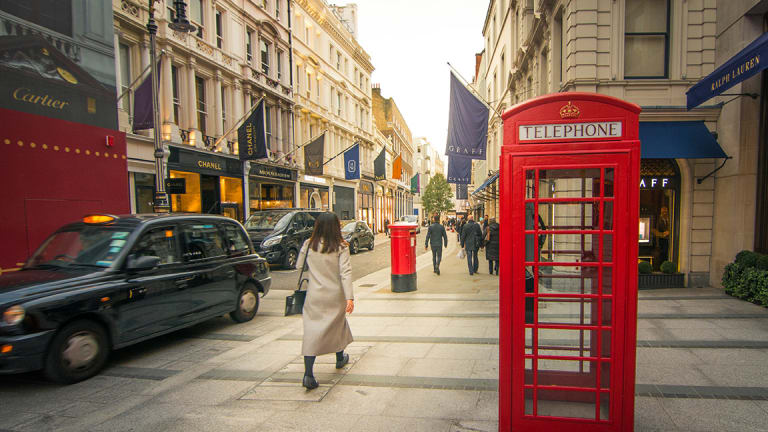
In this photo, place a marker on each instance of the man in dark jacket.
(492, 245)
(471, 241)
(436, 237)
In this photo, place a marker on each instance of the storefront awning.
(480, 191)
(740, 67)
(685, 140)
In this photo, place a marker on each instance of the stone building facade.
(209, 79)
(649, 53)
(332, 93)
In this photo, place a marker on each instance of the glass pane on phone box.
(570, 183)
(571, 248)
(570, 215)
(581, 311)
(567, 279)
(567, 342)
(570, 404)
(529, 184)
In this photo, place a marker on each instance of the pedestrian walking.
(436, 237)
(492, 246)
(484, 220)
(329, 295)
(386, 226)
(471, 241)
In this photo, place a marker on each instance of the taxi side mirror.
(147, 262)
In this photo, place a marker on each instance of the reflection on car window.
(159, 242)
(84, 246)
(268, 220)
(349, 227)
(235, 241)
(202, 241)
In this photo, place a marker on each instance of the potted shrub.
(667, 278)
(747, 277)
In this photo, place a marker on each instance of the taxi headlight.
(14, 315)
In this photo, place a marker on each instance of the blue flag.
(459, 170)
(352, 162)
(467, 123)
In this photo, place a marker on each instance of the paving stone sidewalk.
(421, 361)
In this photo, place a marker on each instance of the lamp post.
(181, 24)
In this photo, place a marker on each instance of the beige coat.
(330, 286)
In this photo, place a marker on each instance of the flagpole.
(133, 83)
(238, 123)
(342, 152)
(468, 87)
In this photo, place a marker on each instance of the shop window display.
(232, 197)
(659, 191)
(191, 201)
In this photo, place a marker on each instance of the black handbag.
(294, 303)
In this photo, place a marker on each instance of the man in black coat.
(436, 237)
(491, 238)
(471, 241)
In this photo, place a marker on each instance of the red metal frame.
(535, 391)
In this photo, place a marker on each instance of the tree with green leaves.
(437, 196)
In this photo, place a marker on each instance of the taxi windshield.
(87, 246)
(268, 220)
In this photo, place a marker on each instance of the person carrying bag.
(294, 303)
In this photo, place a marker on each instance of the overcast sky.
(410, 43)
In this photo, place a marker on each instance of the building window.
(338, 103)
(144, 187)
(201, 112)
(277, 10)
(298, 78)
(196, 15)
(175, 90)
(317, 89)
(338, 61)
(646, 39)
(330, 52)
(125, 75)
(309, 85)
(279, 65)
(268, 125)
(223, 108)
(264, 57)
(248, 44)
(219, 30)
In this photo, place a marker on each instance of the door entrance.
(210, 194)
(566, 339)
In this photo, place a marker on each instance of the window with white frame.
(338, 61)
(338, 103)
(277, 9)
(175, 94)
(219, 29)
(196, 15)
(330, 53)
(268, 126)
(124, 56)
(201, 108)
(223, 108)
(264, 47)
(317, 89)
(298, 78)
(309, 84)
(646, 39)
(279, 65)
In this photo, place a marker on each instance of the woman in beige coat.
(329, 295)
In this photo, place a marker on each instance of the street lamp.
(180, 24)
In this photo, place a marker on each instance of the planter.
(661, 280)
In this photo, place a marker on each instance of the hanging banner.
(459, 170)
(415, 186)
(380, 166)
(252, 135)
(143, 114)
(462, 192)
(313, 156)
(467, 123)
(397, 168)
(352, 163)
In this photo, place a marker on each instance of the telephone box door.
(569, 298)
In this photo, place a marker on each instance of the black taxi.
(110, 281)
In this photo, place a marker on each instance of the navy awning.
(680, 139)
(740, 67)
(486, 183)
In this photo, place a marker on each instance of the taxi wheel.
(247, 304)
(77, 352)
(290, 259)
(353, 248)
(372, 244)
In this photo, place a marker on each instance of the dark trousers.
(472, 260)
(437, 256)
(491, 264)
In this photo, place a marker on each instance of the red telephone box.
(570, 167)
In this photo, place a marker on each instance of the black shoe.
(438, 272)
(340, 363)
(310, 382)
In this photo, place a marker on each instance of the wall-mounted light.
(193, 138)
(166, 134)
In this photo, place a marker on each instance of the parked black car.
(278, 234)
(357, 234)
(111, 281)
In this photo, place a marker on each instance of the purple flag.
(459, 170)
(467, 123)
(143, 115)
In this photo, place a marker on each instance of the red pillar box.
(403, 247)
(570, 167)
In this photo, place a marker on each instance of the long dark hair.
(328, 232)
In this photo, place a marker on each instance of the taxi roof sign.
(99, 219)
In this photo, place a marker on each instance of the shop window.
(232, 197)
(144, 187)
(276, 196)
(191, 201)
(659, 191)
